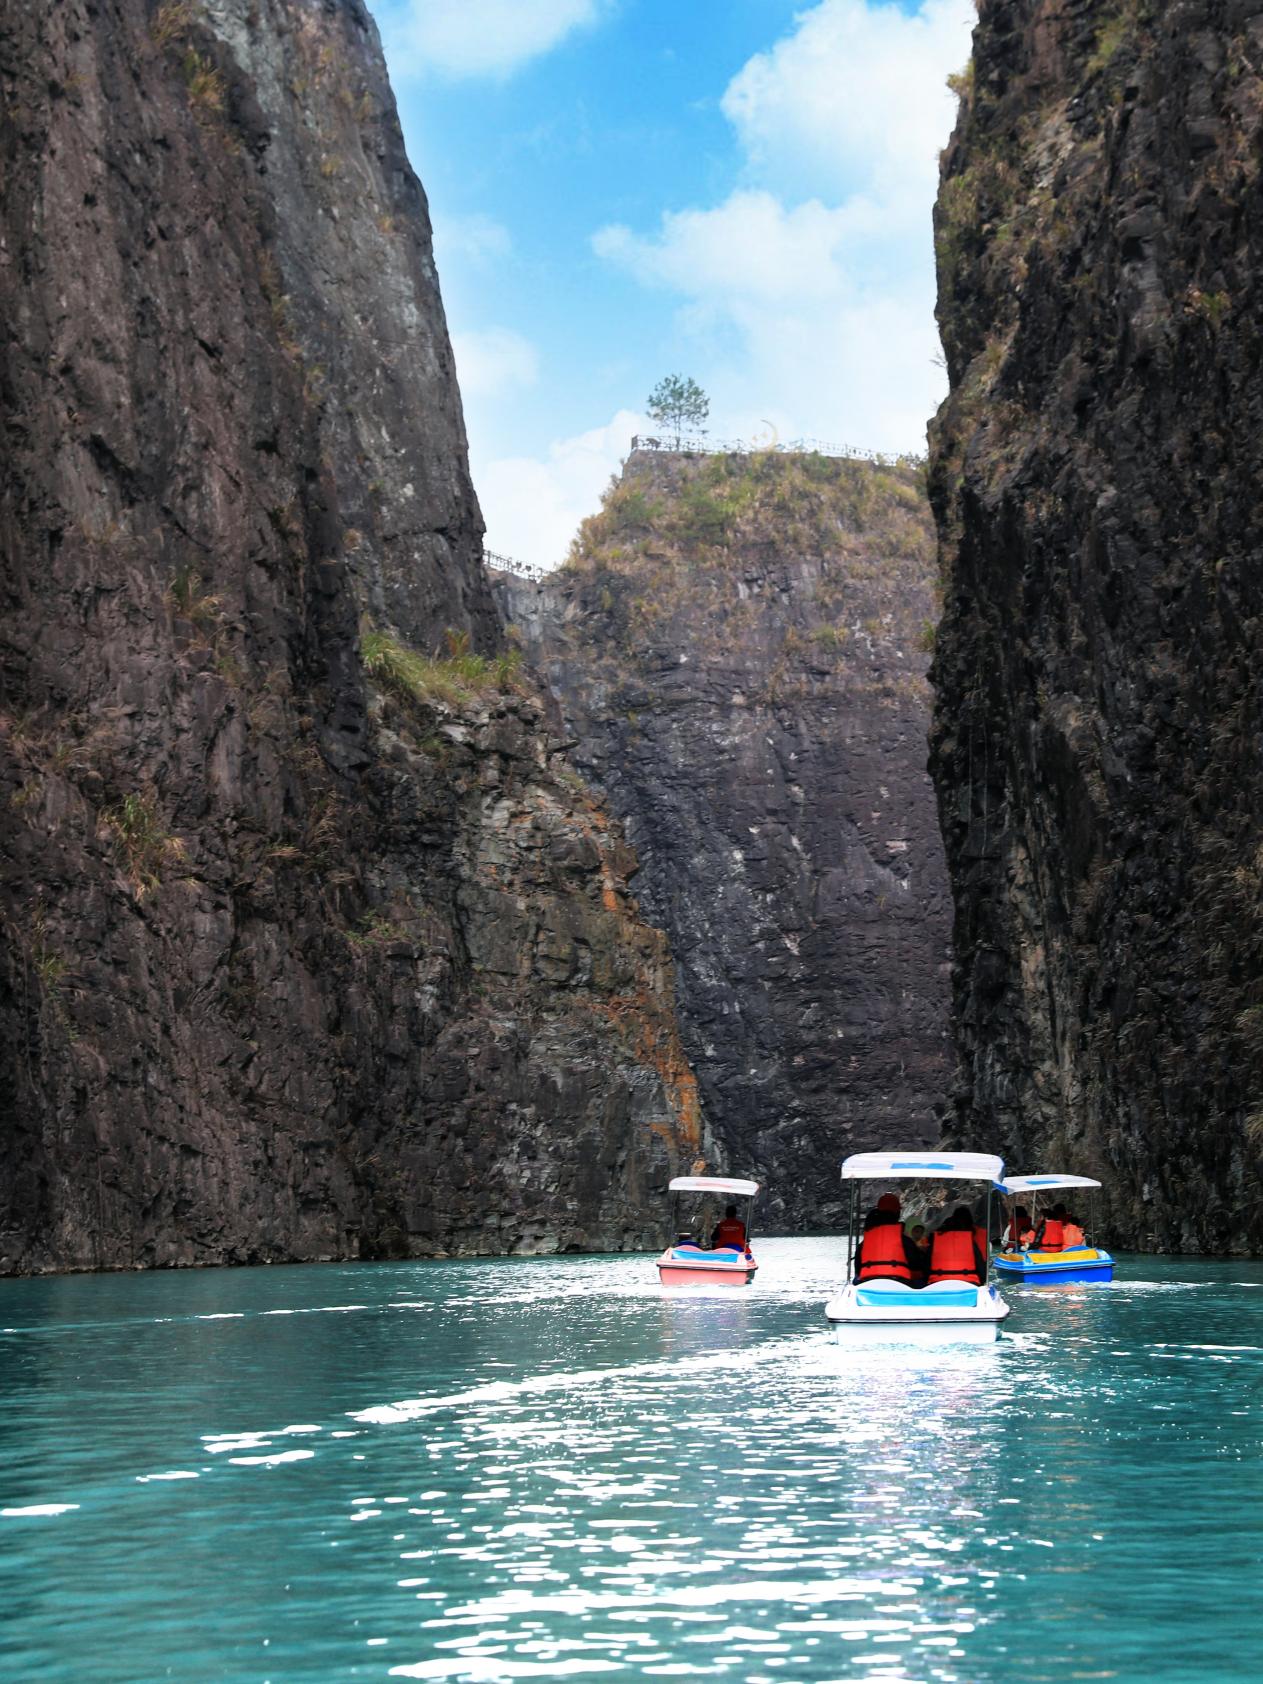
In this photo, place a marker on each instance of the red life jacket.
(1054, 1236)
(882, 1255)
(1073, 1237)
(952, 1257)
(731, 1231)
(980, 1240)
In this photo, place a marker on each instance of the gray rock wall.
(311, 943)
(738, 647)
(1096, 476)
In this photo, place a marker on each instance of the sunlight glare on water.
(554, 1469)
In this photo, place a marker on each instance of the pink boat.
(694, 1258)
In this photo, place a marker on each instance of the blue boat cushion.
(694, 1253)
(962, 1297)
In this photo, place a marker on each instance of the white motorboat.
(947, 1310)
(692, 1259)
(1050, 1264)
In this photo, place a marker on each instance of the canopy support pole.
(986, 1254)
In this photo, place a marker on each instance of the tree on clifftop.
(678, 404)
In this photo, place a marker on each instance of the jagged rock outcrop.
(313, 945)
(738, 647)
(1098, 480)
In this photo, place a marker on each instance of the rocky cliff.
(738, 644)
(1096, 476)
(313, 945)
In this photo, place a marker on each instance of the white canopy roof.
(922, 1164)
(1037, 1183)
(714, 1184)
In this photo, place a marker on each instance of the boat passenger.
(885, 1210)
(954, 1253)
(1020, 1230)
(1052, 1231)
(731, 1231)
(1072, 1235)
(886, 1253)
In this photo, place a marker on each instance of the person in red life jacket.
(1072, 1235)
(886, 1253)
(730, 1231)
(954, 1253)
(1019, 1231)
(1052, 1231)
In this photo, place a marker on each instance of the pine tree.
(678, 404)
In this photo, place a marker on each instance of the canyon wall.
(1097, 476)
(739, 648)
(313, 944)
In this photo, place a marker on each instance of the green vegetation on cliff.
(676, 527)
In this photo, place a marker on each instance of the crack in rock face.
(1095, 475)
(739, 646)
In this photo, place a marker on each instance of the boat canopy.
(1037, 1183)
(714, 1184)
(923, 1165)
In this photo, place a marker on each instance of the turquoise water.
(552, 1469)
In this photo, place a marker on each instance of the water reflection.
(552, 1468)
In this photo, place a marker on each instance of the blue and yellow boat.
(1086, 1263)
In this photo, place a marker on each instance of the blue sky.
(739, 190)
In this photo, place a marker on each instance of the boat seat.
(691, 1254)
(956, 1295)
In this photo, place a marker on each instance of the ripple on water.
(573, 1473)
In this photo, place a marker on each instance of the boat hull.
(706, 1269)
(1050, 1268)
(947, 1313)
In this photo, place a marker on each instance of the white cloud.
(494, 360)
(533, 505)
(750, 246)
(855, 100)
(478, 37)
(478, 239)
(810, 295)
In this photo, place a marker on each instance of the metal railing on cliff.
(506, 564)
(684, 446)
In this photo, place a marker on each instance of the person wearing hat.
(886, 1253)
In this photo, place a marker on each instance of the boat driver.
(1020, 1231)
(886, 1252)
(729, 1231)
(1072, 1235)
(1052, 1231)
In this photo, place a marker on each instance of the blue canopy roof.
(1037, 1183)
(922, 1164)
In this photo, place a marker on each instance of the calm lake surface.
(553, 1469)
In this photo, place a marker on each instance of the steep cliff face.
(312, 943)
(738, 645)
(1096, 477)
